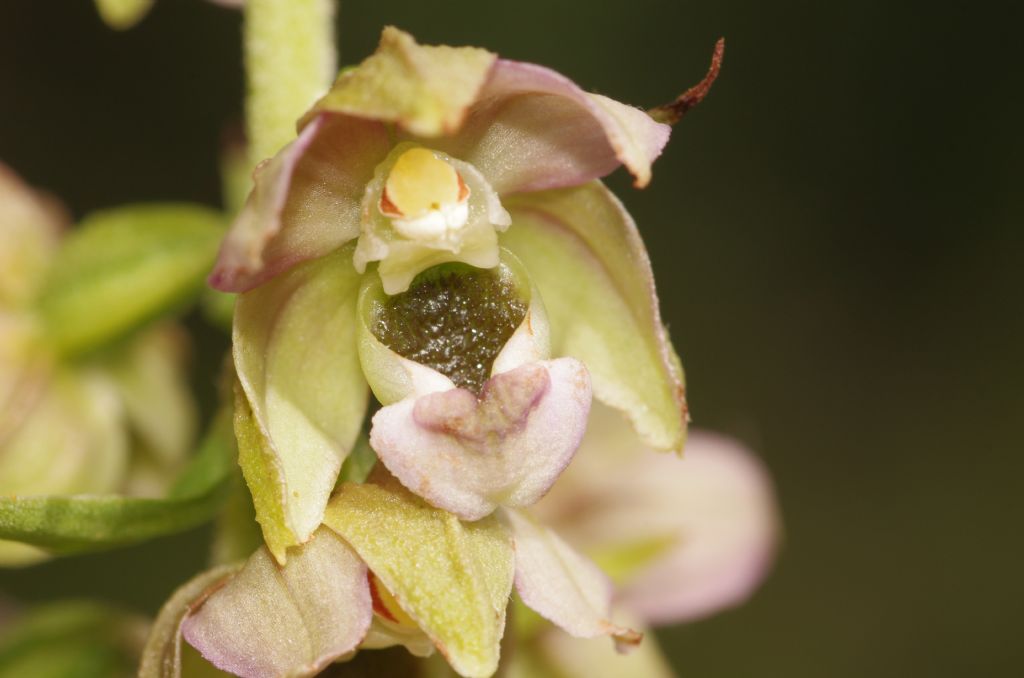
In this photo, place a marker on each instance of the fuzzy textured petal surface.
(161, 657)
(585, 254)
(452, 578)
(713, 511)
(469, 455)
(532, 129)
(292, 621)
(425, 90)
(305, 202)
(561, 585)
(295, 353)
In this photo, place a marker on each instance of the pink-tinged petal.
(533, 129)
(586, 256)
(561, 585)
(295, 620)
(162, 654)
(305, 201)
(713, 512)
(469, 455)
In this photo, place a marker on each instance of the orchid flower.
(80, 414)
(436, 233)
(427, 176)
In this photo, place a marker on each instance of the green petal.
(265, 478)
(426, 90)
(162, 655)
(82, 523)
(295, 352)
(586, 256)
(125, 266)
(452, 578)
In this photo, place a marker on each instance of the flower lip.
(454, 318)
(394, 376)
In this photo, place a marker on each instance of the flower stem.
(290, 61)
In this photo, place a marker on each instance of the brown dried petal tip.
(673, 112)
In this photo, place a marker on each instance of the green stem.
(290, 61)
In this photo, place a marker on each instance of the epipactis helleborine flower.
(436, 231)
(423, 156)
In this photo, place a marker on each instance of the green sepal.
(451, 577)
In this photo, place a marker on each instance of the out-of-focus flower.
(683, 539)
(120, 421)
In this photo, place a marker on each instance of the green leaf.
(84, 523)
(585, 254)
(295, 353)
(452, 578)
(124, 266)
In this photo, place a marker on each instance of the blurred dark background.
(837, 237)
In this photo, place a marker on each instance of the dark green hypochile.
(453, 318)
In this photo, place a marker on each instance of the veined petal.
(586, 256)
(531, 129)
(290, 621)
(452, 578)
(561, 585)
(305, 201)
(425, 90)
(295, 353)
(714, 512)
(469, 455)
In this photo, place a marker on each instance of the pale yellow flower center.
(424, 196)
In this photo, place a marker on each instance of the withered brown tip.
(673, 112)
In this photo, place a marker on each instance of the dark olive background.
(836, 234)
